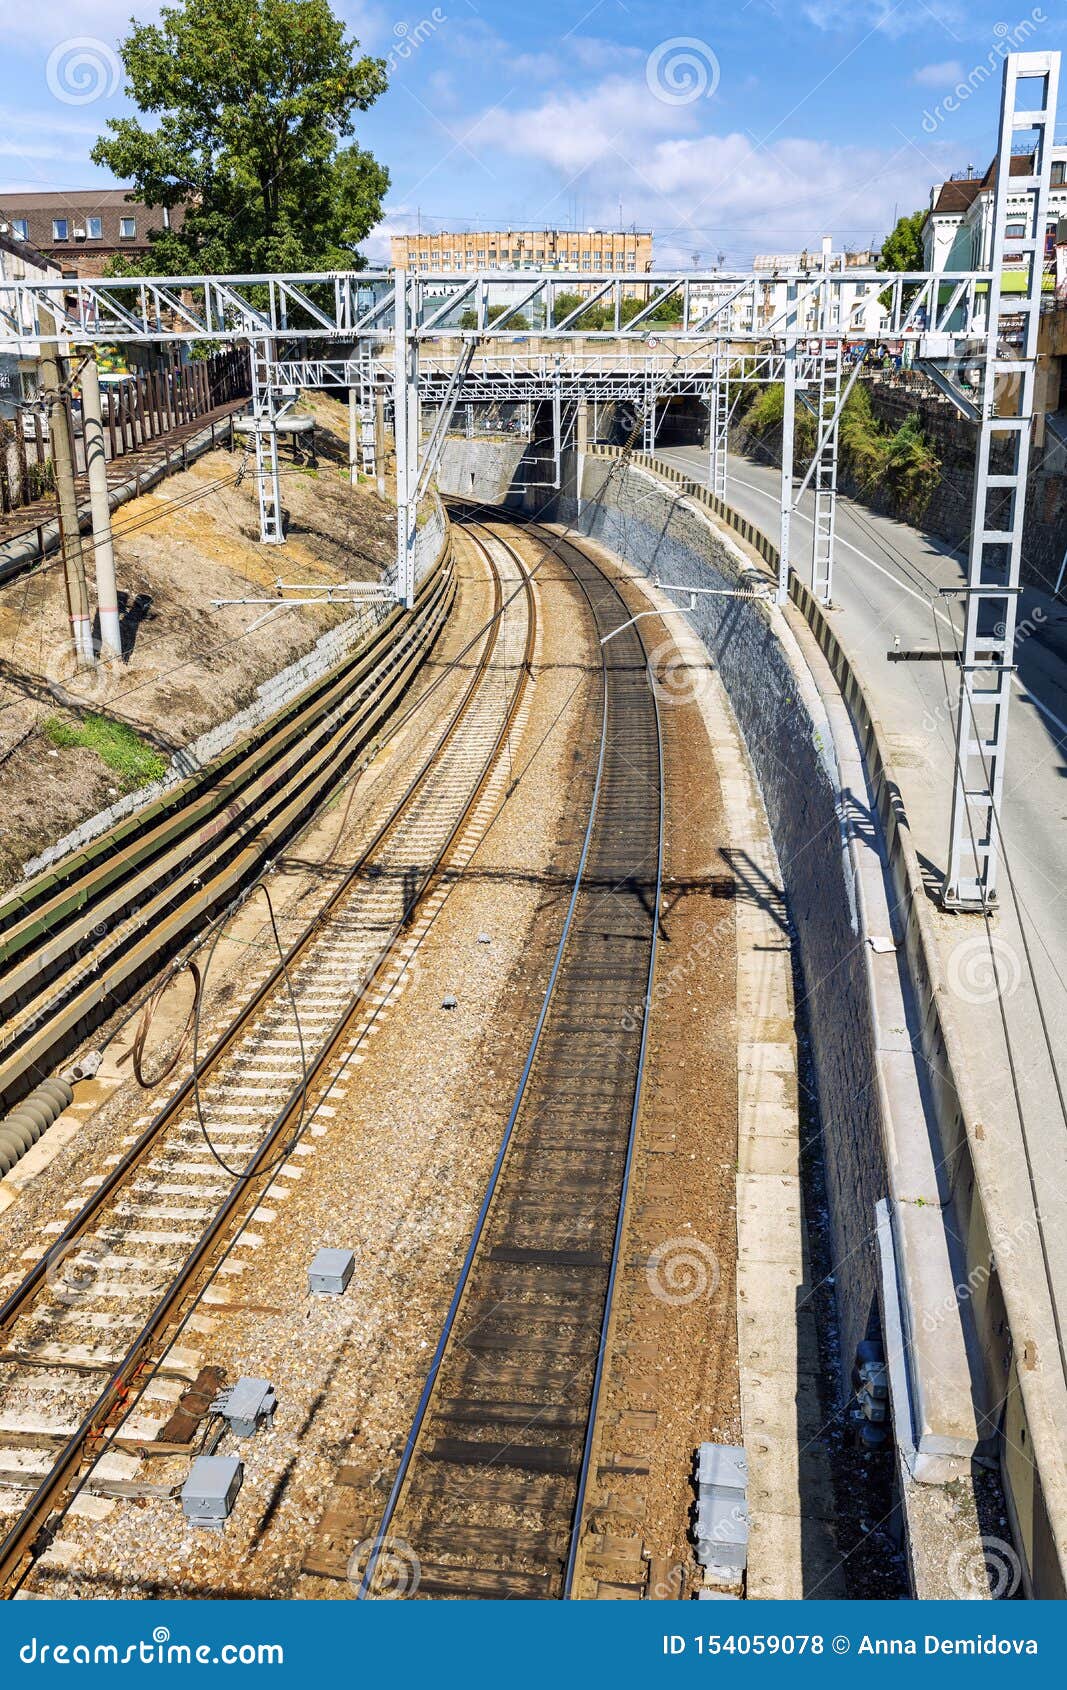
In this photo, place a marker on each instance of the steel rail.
(554, 546)
(206, 1257)
(623, 1215)
(259, 800)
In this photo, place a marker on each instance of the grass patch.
(901, 460)
(120, 747)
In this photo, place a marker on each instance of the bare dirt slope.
(188, 665)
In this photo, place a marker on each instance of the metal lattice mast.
(789, 423)
(827, 421)
(368, 460)
(719, 422)
(265, 434)
(406, 439)
(1003, 460)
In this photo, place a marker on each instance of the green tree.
(903, 249)
(251, 101)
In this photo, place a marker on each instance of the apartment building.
(594, 250)
(958, 228)
(81, 230)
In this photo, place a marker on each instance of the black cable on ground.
(297, 1133)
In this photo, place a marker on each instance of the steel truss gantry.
(431, 340)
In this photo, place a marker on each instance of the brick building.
(82, 229)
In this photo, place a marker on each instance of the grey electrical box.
(721, 1522)
(209, 1492)
(721, 1467)
(247, 1405)
(331, 1271)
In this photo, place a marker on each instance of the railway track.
(87, 1327)
(489, 1498)
(78, 939)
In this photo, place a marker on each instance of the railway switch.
(330, 1272)
(209, 1493)
(247, 1405)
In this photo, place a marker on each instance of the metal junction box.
(247, 1405)
(209, 1493)
(331, 1271)
(721, 1522)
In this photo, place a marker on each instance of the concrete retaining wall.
(913, 1099)
(482, 470)
(794, 763)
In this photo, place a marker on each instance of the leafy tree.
(903, 249)
(251, 100)
(469, 318)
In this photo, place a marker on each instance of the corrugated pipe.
(25, 1124)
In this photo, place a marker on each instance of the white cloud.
(702, 191)
(46, 23)
(891, 17)
(944, 75)
(572, 130)
(594, 53)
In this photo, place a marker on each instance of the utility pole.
(96, 465)
(62, 449)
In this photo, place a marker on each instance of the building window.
(20, 229)
(127, 228)
(94, 229)
(1059, 172)
(60, 229)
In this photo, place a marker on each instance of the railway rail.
(79, 937)
(86, 1328)
(489, 1497)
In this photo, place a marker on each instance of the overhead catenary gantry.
(434, 341)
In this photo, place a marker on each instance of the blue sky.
(754, 126)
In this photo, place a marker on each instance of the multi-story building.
(83, 229)
(958, 228)
(20, 262)
(857, 306)
(525, 249)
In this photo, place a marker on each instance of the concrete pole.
(353, 435)
(581, 445)
(62, 451)
(96, 464)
